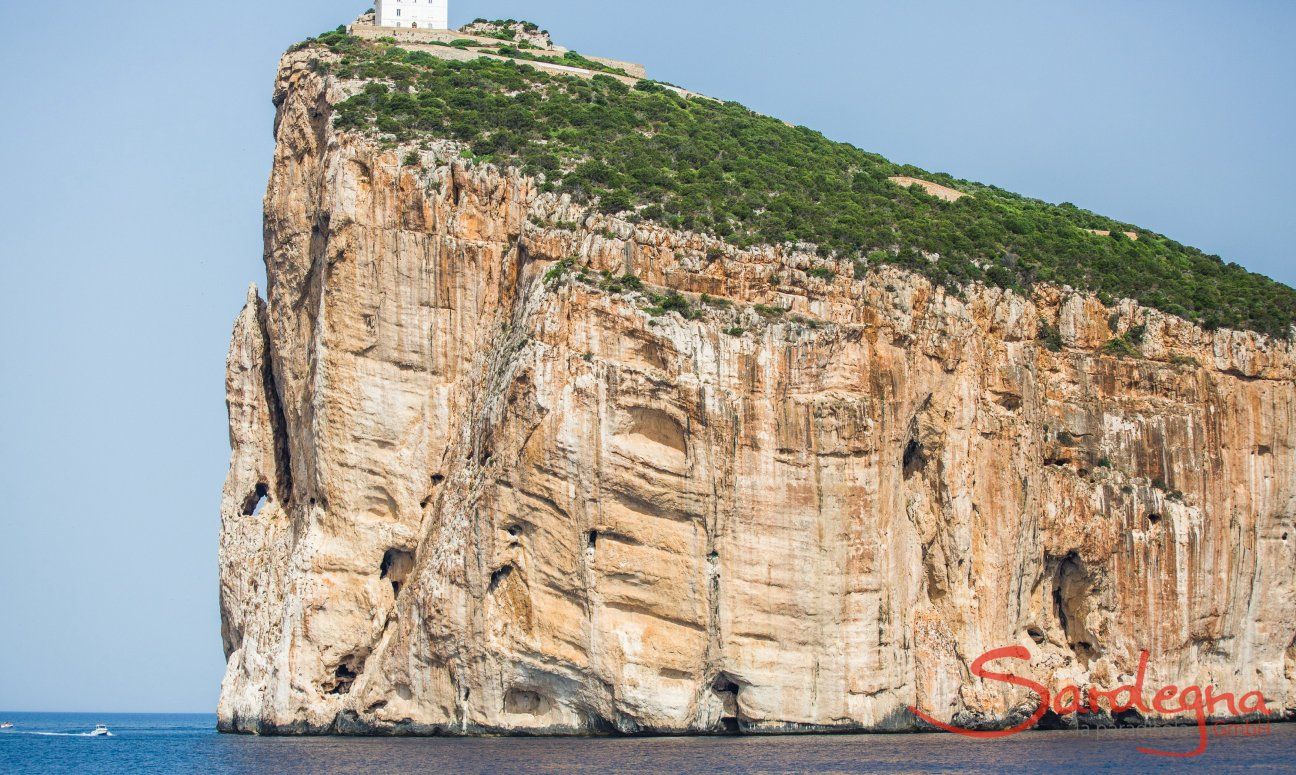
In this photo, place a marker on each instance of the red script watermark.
(1168, 701)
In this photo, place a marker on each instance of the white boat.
(6, 725)
(101, 731)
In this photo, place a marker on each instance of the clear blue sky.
(134, 151)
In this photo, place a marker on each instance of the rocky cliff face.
(475, 488)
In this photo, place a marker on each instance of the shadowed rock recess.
(505, 464)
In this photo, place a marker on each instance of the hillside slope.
(703, 165)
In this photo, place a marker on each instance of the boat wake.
(55, 734)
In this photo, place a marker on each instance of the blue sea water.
(57, 743)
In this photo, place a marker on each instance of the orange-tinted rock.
(496, 502)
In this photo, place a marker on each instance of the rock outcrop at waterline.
(482, 482)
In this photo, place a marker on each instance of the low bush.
(720, 168)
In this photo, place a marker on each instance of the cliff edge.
(503, 463)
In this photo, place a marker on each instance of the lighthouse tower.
(423, 14)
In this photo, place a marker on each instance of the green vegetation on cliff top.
(717, 167)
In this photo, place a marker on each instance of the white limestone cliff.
(464, 498)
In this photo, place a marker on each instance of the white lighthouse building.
(423, 14)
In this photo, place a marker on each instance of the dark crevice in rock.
(498, 578)
(397, 565)
(278, 419)
(1289, 672)
(914, 458)
(1073, 593)
(1128, 719)
(727, 690)
(345, 675)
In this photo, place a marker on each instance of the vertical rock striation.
(471, 492)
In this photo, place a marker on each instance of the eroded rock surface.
(471, 492)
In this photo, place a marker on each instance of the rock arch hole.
(255, 500)
(396, 567)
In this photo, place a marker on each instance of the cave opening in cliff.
(1154, 519)
(1129, 718)
(1036, 634)
(526, 702)
(591, 540)
(498, 577)
(396, 566)
(914, 460)
(344, 675)
(1073, 590)
(255, 500)
(727, 690)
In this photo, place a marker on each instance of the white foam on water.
(53, 734)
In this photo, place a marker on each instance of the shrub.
(1120, 347)
(672, 302)
(716, 167)
(413, 159)
(559, 271)
(614, 202)
(822, 272)
(1051, 337)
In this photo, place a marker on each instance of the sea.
(59, 743)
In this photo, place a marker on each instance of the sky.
(134, 151)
